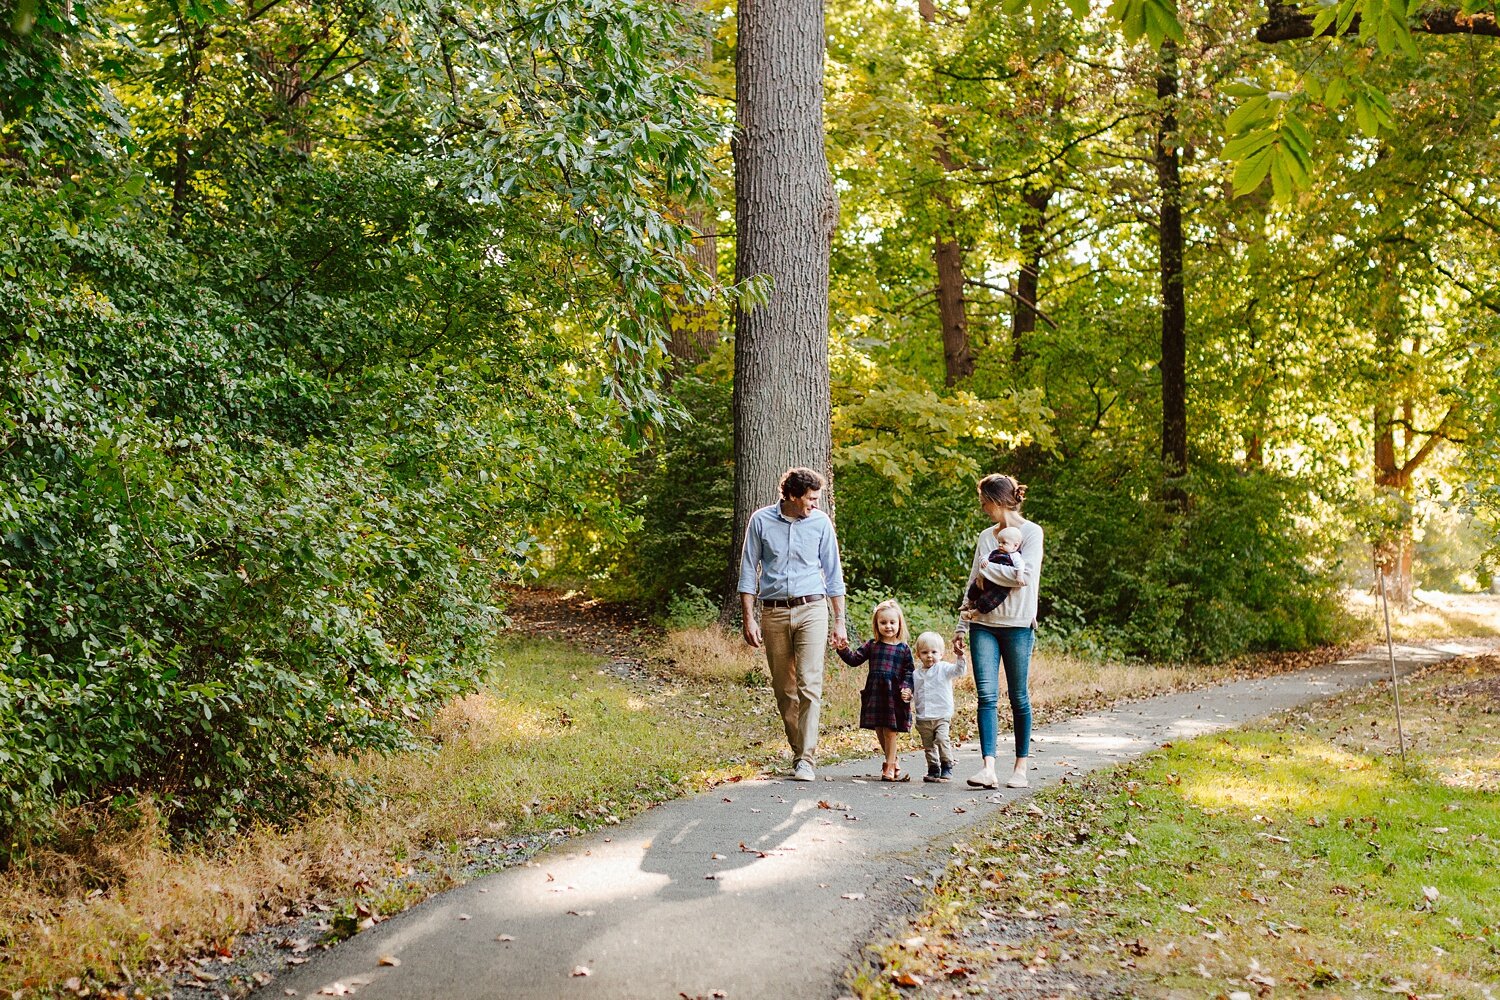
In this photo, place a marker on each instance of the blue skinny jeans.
(989, 646)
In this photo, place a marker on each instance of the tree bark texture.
(948, 260)
(1170, 248)
(958, 356)
(1285, 23)
(1023, 311)
(785, 213)
(695, 329)
(1392, 552)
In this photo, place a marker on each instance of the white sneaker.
(803, 772)
(984, 779)
(1017, 780)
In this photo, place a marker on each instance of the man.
(791, 560)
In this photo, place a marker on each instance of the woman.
(1006, 633)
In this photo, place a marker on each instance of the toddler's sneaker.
(946, 774)
(932, 775)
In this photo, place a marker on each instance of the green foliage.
(288, 386)
(692, 608)
(1245, 568)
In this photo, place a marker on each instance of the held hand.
(906, 694)
(752, 634)
(839, 636)
(958, 644)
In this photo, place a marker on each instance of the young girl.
(885, 702)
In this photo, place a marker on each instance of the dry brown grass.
(160, 903)
(1432, 615)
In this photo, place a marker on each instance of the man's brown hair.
(798, 481)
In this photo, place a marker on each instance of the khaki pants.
(796, 640)
(934, 733)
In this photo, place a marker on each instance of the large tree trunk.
(1023, 311)
(1169, 244)
(785, 214)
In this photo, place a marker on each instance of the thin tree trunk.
(182, 165)
(1028, 280)
(1170, 247)
(1393, 550)
(948, 259)
(695, 330)
(958, 356)
(785, 214)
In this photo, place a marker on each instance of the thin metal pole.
(1390, 650)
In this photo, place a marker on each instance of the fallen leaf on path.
(464, 916)
(907, 979)
(335, 990)
(853, 895)
(716, 857)
(504, 937)
(580, 913)
(751, 850)
(390, 960)
(582, 970)
(957, 809)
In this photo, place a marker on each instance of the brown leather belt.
(791, 602)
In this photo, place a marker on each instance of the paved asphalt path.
(759, 889)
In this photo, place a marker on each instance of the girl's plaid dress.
(891, 667)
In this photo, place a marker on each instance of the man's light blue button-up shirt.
(785, 558)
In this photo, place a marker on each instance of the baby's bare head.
(1010, 539)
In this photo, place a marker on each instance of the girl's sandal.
(887, 772)
(898, 775)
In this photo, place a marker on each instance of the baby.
(983, 595)
(932, 701)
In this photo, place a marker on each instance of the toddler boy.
(932, 703)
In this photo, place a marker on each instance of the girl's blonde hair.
(930, 640)
(890, 605)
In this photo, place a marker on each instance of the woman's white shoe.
(984, 779)
(1017, 780)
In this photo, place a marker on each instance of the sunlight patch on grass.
(1294, 856)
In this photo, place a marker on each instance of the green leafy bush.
(287, 383)
(218, 562)
(1248, 566)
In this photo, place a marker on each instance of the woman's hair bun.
(1003, 490)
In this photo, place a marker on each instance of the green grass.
(1294, 856)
